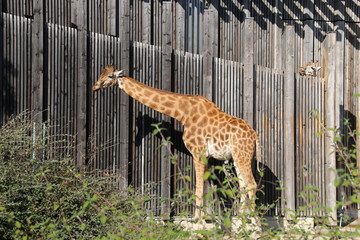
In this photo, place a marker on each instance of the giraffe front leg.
(200, 168)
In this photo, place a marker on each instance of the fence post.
(329, 65)
(124, 34)
(81, 23)
(37, 91)
(248, 60)
(277, 56)
(340, 79)
(166, 43)
(289, 120)
(307, 50)
(210, 46)
(111, 18)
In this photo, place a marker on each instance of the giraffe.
(208, 131)
(310, 69)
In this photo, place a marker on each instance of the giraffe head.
(109, 76)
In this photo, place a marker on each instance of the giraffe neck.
(172, 104)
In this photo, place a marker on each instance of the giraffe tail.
(258, 152)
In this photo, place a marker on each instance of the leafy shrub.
(43, 196)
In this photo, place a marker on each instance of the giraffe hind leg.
(247, 186)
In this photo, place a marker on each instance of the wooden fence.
(241, 55)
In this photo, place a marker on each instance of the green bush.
(43, 196)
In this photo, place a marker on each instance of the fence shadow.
(8, 104)
(269, 189)
(146, 120)
(302, 13)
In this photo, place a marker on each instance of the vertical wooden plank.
(73, 11)
(307, 53)
(146, 21)
(111, 17)
(248, 60)
(166, 77)
(124, 35)
(340, 64)
(289, 120)
(180, 25)
(81, 137)
(340, 80)
(210, 46)
(277, 40)
(38, 61)
(329, 64)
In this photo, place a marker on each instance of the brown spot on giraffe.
(169, 104)
(156, 98)
(208, 132)
(176, 113)
(147, 93)
(203, 122)
(195, 118)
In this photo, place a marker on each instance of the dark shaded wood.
(82, 85)
(37, 90)
(124, 35)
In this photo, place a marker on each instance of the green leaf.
(229, 193)
(94, 198)
(207, 175)
(51, 226)
(17, 224)
(86, 204)
(227, 222)
(155, 124)
(188, 178)
(103, 219)
(357, 95)
(56, 206)
(82, 227)
(337, 139)
(156, 131)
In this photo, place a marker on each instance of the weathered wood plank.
(111, 17)
(248, 60)
(166, 80)
(124, 35)
(82, 87)
(38, 61)
(330, 161)
(210, 47)
(145, 19)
